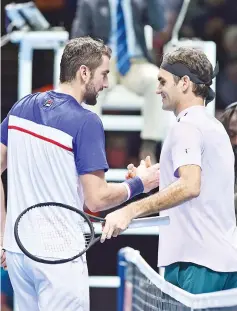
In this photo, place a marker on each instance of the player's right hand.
(150, 176)
(132, 168)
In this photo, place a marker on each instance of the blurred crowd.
(209, 20)
(213, 20)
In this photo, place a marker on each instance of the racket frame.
(93, 240)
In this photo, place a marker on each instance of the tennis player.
(199, 247)
(54, 150)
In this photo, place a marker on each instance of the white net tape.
(146, 290)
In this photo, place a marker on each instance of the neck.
(71, 89)
(187, 103)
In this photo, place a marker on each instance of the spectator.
(229, 120)
(230, 41)
(136, 71)
(227, 84)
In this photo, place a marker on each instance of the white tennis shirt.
(51, 140)
(202, 230)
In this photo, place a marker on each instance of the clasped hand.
(119, 220)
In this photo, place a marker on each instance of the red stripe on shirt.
(13, 127)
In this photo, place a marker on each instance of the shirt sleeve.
(187, 146)
(4, 131)
(89, 146)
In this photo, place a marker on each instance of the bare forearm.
(100, 195)
(113, 194)
(175, 194)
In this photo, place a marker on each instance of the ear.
(185, 83)
(83, 73)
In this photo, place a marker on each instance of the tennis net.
(143, 289)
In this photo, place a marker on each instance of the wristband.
(128, 190)
(134, 187)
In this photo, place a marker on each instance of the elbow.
(94, 205)
(194, 192)
(97, 200)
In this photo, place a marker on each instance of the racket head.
(74, 212)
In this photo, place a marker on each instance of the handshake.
(118, 221)
(148, 173)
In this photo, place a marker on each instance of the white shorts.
(43, 287)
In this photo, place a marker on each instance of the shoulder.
(25, 100)
(24, 106)
(213, 126)
(82, 120)
(185, 131)
(92, 123)
(185, 127)
(91, 117)
(77, 112)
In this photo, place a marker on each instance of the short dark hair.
(197, 62)
(82, 51)
(227, 115)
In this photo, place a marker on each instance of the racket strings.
(53, 232)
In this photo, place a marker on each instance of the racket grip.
(155, 221)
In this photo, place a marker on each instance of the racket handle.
(155, 221)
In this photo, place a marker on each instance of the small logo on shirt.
(183, 115)
(48, 103)
(186, 150)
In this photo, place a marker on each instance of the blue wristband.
(135, 185)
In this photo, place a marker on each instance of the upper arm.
(186, 146)
(3, 157)
(191, 176)
(92, 184)
(89, 146)
(81, 25)
(187, 149)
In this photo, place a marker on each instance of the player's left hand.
(116, 222)
(132, 169)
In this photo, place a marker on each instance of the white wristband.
(128, 190)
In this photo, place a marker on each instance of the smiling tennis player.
(199, 247)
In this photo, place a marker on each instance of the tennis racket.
(55, 233)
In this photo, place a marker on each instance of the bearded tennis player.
(54, 151)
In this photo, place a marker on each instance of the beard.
(90, 97)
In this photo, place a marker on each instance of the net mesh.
(145, 290)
